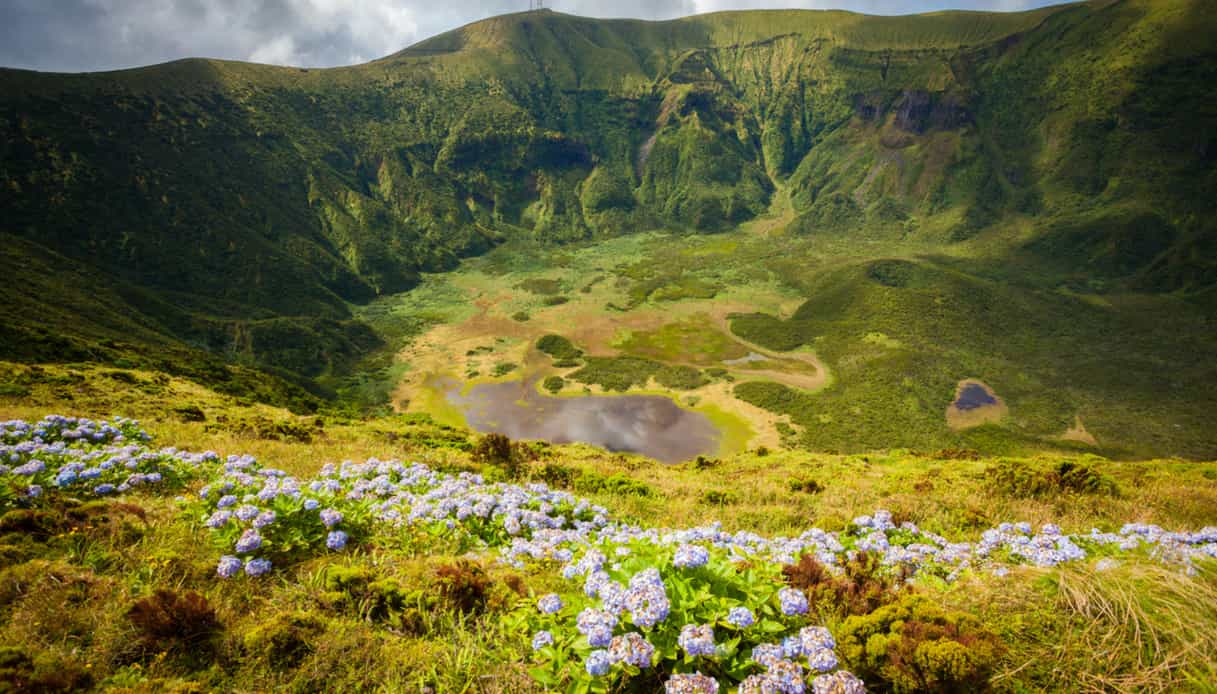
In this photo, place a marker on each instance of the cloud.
(80, 35)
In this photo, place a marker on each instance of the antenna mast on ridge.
(534, 5)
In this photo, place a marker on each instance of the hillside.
(208, 218)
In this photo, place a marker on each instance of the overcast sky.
(86, 35)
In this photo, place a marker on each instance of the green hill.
(202, 215)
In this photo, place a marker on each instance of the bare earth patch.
(1078, 433)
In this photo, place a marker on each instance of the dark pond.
(651, 425)
(973, 397)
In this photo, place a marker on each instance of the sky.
(91, 35)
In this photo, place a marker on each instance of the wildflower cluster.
(644, 606)
(76, 456)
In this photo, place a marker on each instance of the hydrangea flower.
(549, 604)
(793, 602)
(229, 566)
(691, 556)
(542, 639)
(631, 649)
(218, 519)
(741, 617)
(697, 639)
(264, 519)
(250, 541)
(597, 626)
(257, 567)
(816, 638)
(336, 540)
(246, 512)
(822, 660)
(598, 663)
(696, 683)
(330, 517)
(839, 682)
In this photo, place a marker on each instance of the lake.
(651, 425)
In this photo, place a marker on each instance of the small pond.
(974, 396)
(651, 425)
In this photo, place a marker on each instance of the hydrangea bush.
(82, 457)
(683, 615)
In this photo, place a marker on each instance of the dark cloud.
(78, 35)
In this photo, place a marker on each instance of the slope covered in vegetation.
(239, 210)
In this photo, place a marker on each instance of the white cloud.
(78, 35)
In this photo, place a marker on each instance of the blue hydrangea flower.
(330, 517)
(218, 519)
(33, 491)
(632, 649)
(104, 488)
(226, 501)
(696, 683)
(839, 682)
(311, 504)
(597, 626)
(229, 566)
(691, 556)
(816, 638)
(822, 660)
(264, 519)
(793, 602)
(549, 604)
(697, 639)
(336, 540)
(250, 541)
(540, 639)
(741, 617)
(598, 663)
(246, 512)
(257, 567)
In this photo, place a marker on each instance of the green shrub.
(521, 316)
(623, 373)
(556, 475)
(554, 384)
(803, 485)
(915, 646)
(1023, 480)
(558, 347)
(503, 368)
(593, 483)
(717, 497)
(285, 640)
(13, 390)
(541, 286)
(555, 300)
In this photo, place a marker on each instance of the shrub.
(166, 617)
(554, 384)
(1023, 480)
(463, 585)
(556, 475)
(915, 646)
(593, 483)
(558, 347)
(503, 368)
(499, 451)
(521, 316)
(718, 497)
(862, 588)
(284, 641)
(957, 454)
(190, 413)
(21, 673)
(555, 300)
(804, 485)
